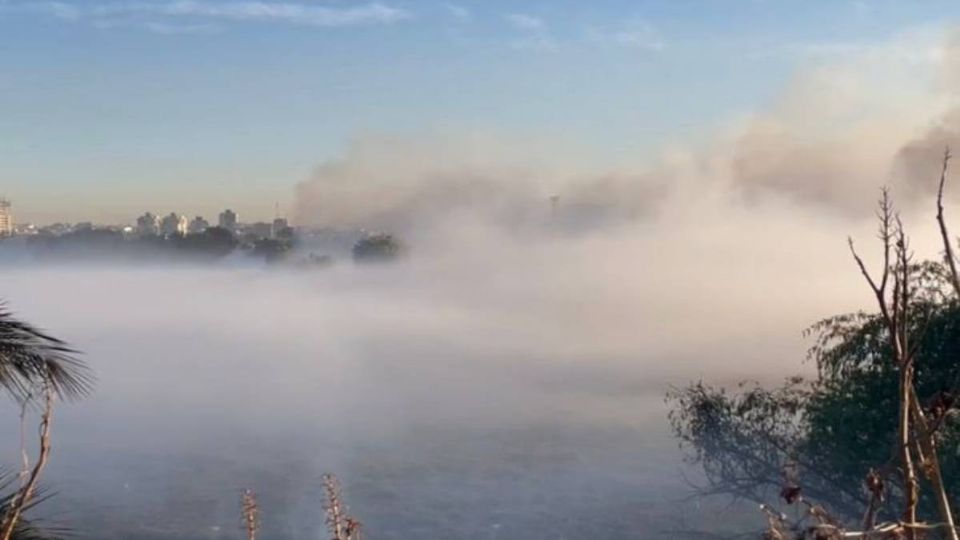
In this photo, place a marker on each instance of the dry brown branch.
(875, 486)
(916, 435)
(893, 289)
(895, 311)
(931, 466)
(340, 525)
(27, 490)
(926, 431)
(776, 524)
(24, 455)
(250, 513)
(334, 507)
(948, 255)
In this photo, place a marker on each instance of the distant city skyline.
(113, 108)
(210, 212)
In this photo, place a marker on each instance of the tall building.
(174, 225)
(228, 220)
(6, 218)
(148, 225)
(198, 225)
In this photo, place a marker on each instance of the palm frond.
(31, 359)
(29, 529)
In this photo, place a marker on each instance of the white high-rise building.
(6, 218)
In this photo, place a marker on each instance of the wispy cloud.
(295, 13)
(639, 35)
(534, 32)
(206, 12)
(168, 29)
(458, 12)
(60, 10)
(522, 21)
(156, 27)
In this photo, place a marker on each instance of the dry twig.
(250, 513)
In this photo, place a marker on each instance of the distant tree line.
(379, 247)
(212, 244)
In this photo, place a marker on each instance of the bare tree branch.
(24, 495)
(948, 256)
(250, 513)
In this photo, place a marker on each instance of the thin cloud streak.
(252, 11)
(59, 10)
(522, 21)
(181, 29)
(535, 32)
(640, 36)
(458, 12)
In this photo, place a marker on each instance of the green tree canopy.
(828, 433)
(377, 248)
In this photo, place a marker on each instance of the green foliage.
(31, 359)
(272, 250)
(834, 429)
(32, 364)
(212, 242)
(377, 248)
(26, 529)
(743, 440)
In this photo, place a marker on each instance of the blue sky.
(112, 107)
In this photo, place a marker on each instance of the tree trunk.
(932, 468)
(23, 497)
(910, 488)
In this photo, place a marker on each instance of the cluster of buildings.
(177, 224)
(174, 224)
(148, 224)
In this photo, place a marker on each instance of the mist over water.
(490, 385)
(439, 419)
